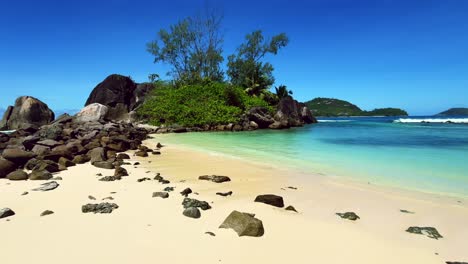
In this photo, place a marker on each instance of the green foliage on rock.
(208, 103)
(386, 112)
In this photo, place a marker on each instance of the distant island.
(455, 112)
(336, 107)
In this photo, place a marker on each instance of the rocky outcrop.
(260, 116)
(290, 113)
(28, 112)
(120, 94)
(92, 113)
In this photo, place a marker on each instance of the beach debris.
(143, 179)
(186, 192)
(40, 175)
(406, 211)
(163, 195)
(270, 199)
(215, 178)
(25, 193)
(121, 172)
(245, 224)
(430, 232)
(292, 188)
(189, 202)
(349, 215)
(111, 178)
(91, 197)
(101, 208)
(6, 212)
(17, 175)
(224, 193)
(47, 212)
(48, 186)
(192, 212)
(290, 208)
(210, 233)
(169, 189)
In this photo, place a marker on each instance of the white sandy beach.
(153, 230)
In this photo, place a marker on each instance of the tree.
(192, 47)
(282, 91)
(247, 69)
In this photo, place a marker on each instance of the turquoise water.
(427, 157)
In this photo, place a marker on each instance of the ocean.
(403, 153)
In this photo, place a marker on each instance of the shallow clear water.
(427, 157)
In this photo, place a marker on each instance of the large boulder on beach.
(6, 167)
(244, 224)
(27, 112)
(18, 156)
(17, 175)
(93, 112)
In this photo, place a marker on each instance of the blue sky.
(408, 54)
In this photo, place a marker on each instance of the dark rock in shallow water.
(17, 175)
(188, 202)
(6, 212)
(244, 224)
(186, 192)
(270, 199)
(47, 212)
(111, 178)
(40, 175)
(119, 171)
(101, 208)
(192, 212)
(104, 165)
(163, 195)
(349, 215)
(6, 167)
(214, 178)
(291, 208)
(48, 186)
(224, 194)
(430, 232)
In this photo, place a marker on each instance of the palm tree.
(282, 91)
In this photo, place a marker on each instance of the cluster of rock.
(58, 144)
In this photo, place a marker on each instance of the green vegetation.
(336, 107)
(455, 112)
(208, 103)
(282, 91)
(246, 68)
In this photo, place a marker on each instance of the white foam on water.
(432, 120)
(333, 121)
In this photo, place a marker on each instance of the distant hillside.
(336, 107)
(455, 112)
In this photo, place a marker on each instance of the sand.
(153, 230)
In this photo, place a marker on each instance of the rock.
(159, 145)
(91, 197)
(123, 156)
(57, 178)
(169, 189)
(214, 178)
(97, 154)
(101, 208)
(455, 262)
(406, 211)
(270, 199)
(136, 163)
(108, 198)
(244, 224)
(104, 165)
(48, 186)
(261, 116)
(6, 167)
(40, 175)
(349, 215)
(192, 212)
(121, 172)
(18, 175)
(143, 179)
(28, 111)
(66, 162)
(53, 131)
(47, 212)
(139, 94)
(163, 195)
(18, 156)
(186, 192)
(290, 113)
(92, 113)
(188, 202)
(47, 165)
(40, 150)
(49, 143)
(224, 194)
(141, 154)
(210, 233)
(6, 212)
(291, 208)
(81, 159)
(30, 141)
(156, 152)
(430, 232)
(111, 178)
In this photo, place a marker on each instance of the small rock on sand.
(224, 194)
(270, 199)
(192, 212)
(47, 212)
(349, 215)
(186, 192)
(406, 211)
(244, 224)
(163, 195)
(91, 197)
(214, 178)
(101, 208)
(291, 208)
(6, 212)
(210, 233)
(188, 202)
(48, 186)
(430, 232)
